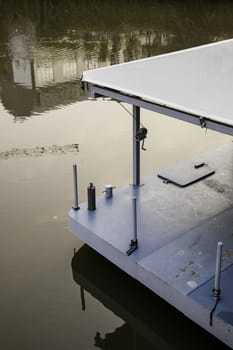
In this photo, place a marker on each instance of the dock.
(164, 230)
(149, 321)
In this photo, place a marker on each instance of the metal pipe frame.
(136, 146)
(137, 103)
(96, 91)
(75, 180)
(218, 267)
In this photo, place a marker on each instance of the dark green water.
(45, 125)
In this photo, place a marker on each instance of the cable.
(212, 311)
(142, 132)
(130, 113)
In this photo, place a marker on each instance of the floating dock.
(149, 322)
(164, 230)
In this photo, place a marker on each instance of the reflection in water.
(150, 323)
(45, 46)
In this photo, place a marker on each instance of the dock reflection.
(150, 322)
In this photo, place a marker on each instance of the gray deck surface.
(178, 230)
(196, 81)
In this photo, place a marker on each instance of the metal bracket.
(133, 246)
(202, 122)
(216, 293)
(216, 296)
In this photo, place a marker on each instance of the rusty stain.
(195, 274)
(216, 186)
(195, 242)
(197, 252)
(185, 268)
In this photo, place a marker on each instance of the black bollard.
(91, 197)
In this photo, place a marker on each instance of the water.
(46, 124)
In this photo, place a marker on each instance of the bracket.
(133, 246)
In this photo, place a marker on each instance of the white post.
(75, 178)
(218, 268)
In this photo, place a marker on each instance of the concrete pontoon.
(177, 222)
(149, 322)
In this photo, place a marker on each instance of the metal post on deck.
(82, 295)
(217, 278)
(135, 229)
(136, 146)
(75, 178)
(216, 290)
(134, 242)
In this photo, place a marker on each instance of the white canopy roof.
(197, 81)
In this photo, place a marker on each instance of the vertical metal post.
(75, 178)
(83, 303)
(218, 269)
(135, 218)
(136, 146)
(134, 242)
(217, 290)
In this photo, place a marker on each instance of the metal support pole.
(136, 146)
(218, 270)
(135, 218)
(83, 303)
(75, 178)
(134, 242)
(217, 290)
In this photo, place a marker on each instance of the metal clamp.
(133, 246)
(202, 122)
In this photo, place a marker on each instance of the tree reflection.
(47, 44)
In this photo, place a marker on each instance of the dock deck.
(178, 229)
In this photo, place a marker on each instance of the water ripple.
(39, 151)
